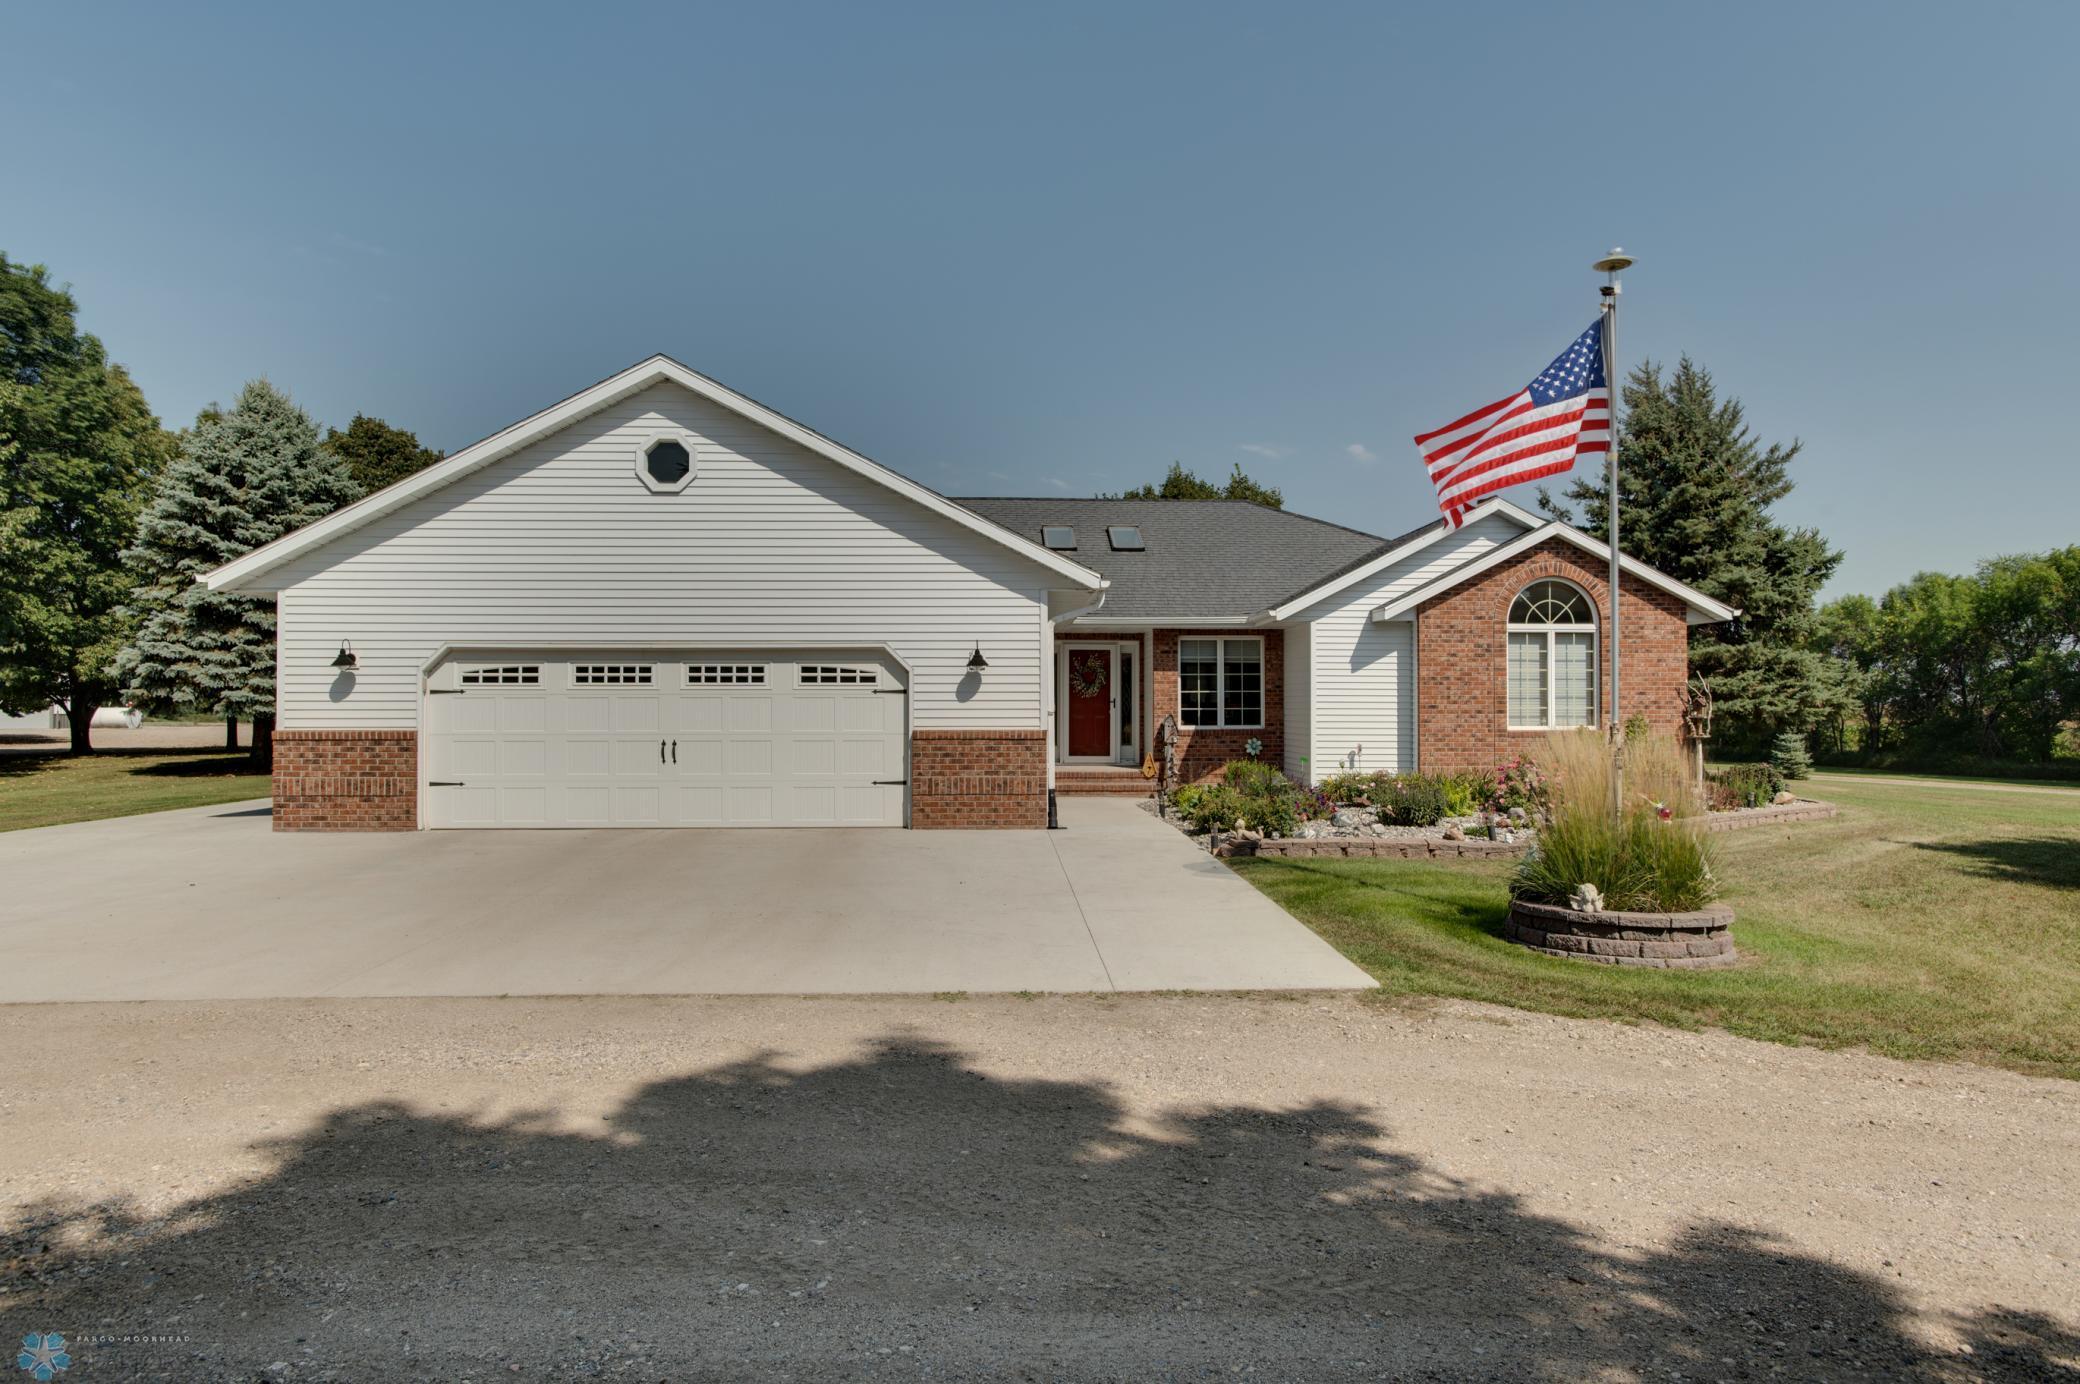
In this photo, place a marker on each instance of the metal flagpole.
(1610, 265)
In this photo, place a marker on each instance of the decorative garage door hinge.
(446, 691)
(444, 783)
(891, 691)
(892, 783)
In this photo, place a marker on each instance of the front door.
(1091, 693)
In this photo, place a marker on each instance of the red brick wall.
(978, 778)
(346, 780)
(1202, 750)
(1462, 658)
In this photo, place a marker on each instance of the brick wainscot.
(346, 780)
(1462, 658)
(1203, 750)
(978, 778)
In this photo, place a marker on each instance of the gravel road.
(1058, 1188)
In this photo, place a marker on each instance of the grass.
(1926, 922)
(44, 790)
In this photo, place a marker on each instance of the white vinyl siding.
(560, 545)
(1361, 674)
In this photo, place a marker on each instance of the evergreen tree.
(1789, 753)
(243, 478)
(377, 454)
(1697, 488)
(78, 448)
(1181, 484)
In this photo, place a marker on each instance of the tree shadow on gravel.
(2052, 860)
(904, 1216)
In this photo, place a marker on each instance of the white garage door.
(800, 739)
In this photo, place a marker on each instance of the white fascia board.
(239, 573)
(1287, 610)
(1702, 609)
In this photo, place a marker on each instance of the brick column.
(978, 778)
(346, 780)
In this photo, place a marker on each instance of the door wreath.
(1087, 678)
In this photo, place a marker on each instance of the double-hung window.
(1552, 657)
(1220, 682)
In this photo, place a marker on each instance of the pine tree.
(1789, 753)
(243, 478)
(1697, 488)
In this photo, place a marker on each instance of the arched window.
(1552, 657)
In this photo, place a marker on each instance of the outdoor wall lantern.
(976, 662)
(346, 661)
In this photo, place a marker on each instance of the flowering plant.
(1520, 786)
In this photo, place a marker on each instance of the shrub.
(1466, 792)
(1640, 860)
(1253, 777)
(1249, 794)
(1314, 805)
(1749, 785)
(1208, 807)
(1348, 787)
(1521, 784)
(1410, 800)
(1790, 755)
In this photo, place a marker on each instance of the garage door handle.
(675, 752)
(660, 752)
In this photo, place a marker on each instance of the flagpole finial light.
(1614, 261)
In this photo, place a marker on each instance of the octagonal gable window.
(665, 462)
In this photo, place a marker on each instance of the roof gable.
(1701, 609)
(243, 573)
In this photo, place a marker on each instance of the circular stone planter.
(1685, 941)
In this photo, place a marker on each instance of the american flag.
(1538, 431)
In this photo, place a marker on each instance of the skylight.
(1126, 538)
(1059, 537)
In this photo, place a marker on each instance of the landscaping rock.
(1784, 797)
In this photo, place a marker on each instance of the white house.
(661, 603)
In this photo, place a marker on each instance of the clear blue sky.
(1048, 249)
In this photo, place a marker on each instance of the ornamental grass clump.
(1654, 858)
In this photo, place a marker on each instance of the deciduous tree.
(78, 448)
(1181, 484)
(377, 454)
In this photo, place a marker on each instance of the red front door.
(1090, 703)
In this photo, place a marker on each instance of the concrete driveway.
(209, 903)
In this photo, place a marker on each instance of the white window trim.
(1553, 662)
(1220, 681)
(642, 460)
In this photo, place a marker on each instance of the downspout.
(1054, 821)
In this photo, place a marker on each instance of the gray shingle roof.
(1204, 557)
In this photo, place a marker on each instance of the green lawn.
(42, 790)
(1929, 921)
